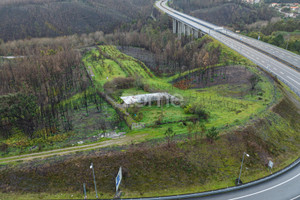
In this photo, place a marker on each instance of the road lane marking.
(293, 80)
(295, 197)
(275, 186)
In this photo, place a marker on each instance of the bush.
(170, 134)
(119, 83)
(3, 147)
(202, 113)
(212, 134)
(198, 110)
(133, 110)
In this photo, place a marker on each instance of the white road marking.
(295, 197)
(294, 80)
(275, 186)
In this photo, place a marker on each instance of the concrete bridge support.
(188, 30)
(174, 26)
(183, 29)
(195, 33)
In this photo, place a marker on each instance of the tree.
(253, 81)
(170, 134)
(202, 129)
(212, 135)
(21, 111)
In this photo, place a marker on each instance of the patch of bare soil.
(236, 75)
(143, 55)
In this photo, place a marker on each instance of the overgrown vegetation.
(42, 101)
(180, 168)
(236, 14)
(284, 34)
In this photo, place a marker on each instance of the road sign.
(118, 179)
(270, 164)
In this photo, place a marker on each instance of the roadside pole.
(84, 190)
(239, 179)
(92, 167)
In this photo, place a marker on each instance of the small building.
(274, 5)
(293, 8)
(148, 99)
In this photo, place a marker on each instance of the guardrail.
(225, 190)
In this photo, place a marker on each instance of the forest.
(234, 14)
(284, 33)
(22, 19)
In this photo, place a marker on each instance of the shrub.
(201, 112)
(119, 83)
(123, 83)
(3, 147)
(170, 134)
(133, 110)
(197, 109)
(254, 79)
(212, 134)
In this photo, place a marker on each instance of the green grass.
(171, 113)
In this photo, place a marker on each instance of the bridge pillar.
(179, 28)
(188, 31)
(195, 33)
(183, 28)
(174, 26)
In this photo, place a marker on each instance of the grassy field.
(108, 63)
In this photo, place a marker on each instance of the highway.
(283, 187)
(278, 67)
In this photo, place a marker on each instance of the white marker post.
(92, 167)
(270, 165)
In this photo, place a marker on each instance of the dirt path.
(123, 140)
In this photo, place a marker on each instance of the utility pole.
(92, 167)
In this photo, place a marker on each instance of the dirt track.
(116, 141)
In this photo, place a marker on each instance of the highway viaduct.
(281, 63)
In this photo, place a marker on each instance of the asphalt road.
(283, 187)
(283, 72)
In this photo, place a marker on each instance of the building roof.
(143, 98)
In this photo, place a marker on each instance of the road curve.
(285, 186)
(262, 57)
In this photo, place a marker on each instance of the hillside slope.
(25, 18)
(222, 13)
